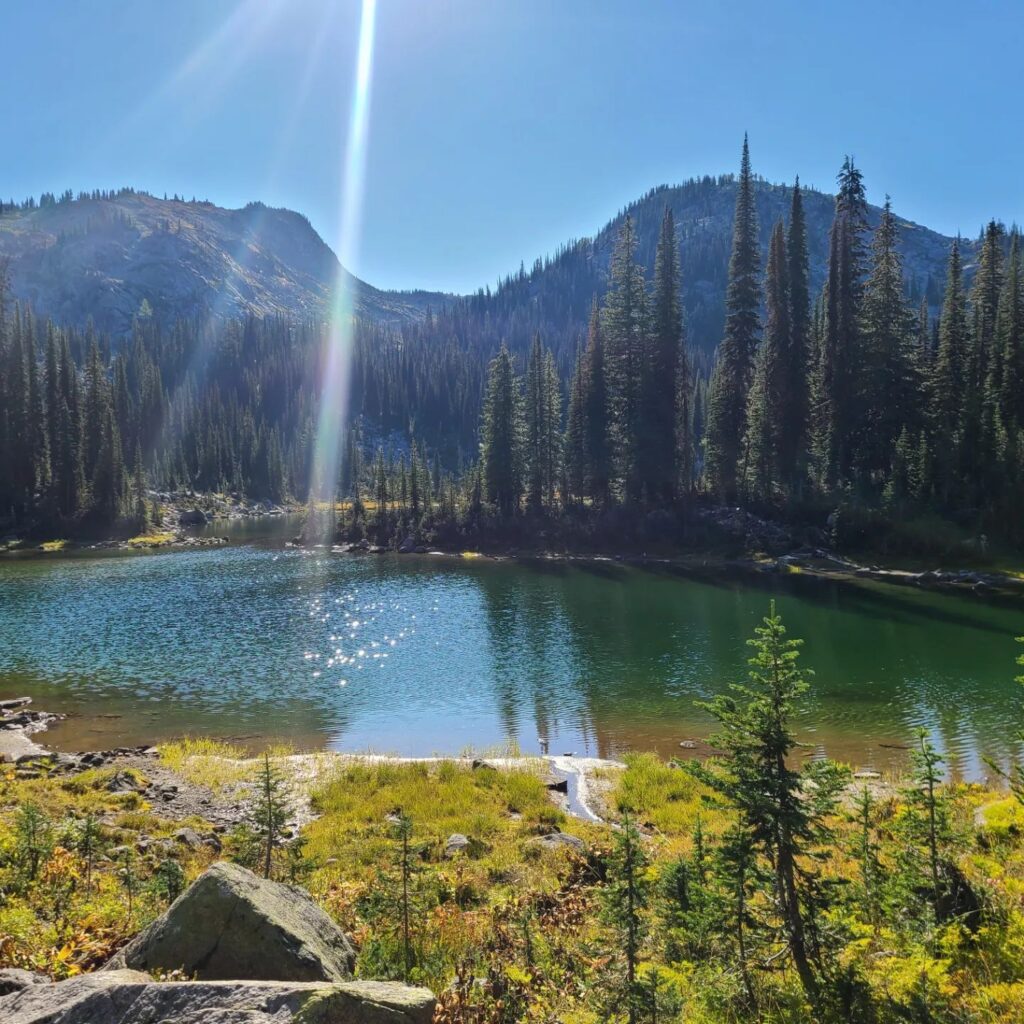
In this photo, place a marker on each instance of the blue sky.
(498, 130)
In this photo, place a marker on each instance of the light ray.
(337, 357)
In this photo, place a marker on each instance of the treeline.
(86, 429)
(844, 397)
(851, 398)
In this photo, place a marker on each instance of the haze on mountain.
(108, 257)
(111, 256)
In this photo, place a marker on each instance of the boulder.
(131, 997)
(558, 841)
(192, 517)
(457, 843)
(14, 979)
(408, 546)
(232, 924)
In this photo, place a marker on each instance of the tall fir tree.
(625, 326)
(664, 372)
(792, 427)
(889, 367)
(768, 397)
(597, 438)
(948, 373)
(501, 436)
(727, 401)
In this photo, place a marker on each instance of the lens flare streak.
(337, 357)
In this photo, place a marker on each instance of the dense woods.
(850, 402)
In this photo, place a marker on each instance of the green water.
(428, 654)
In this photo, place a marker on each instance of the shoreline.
(816, 563)
(183, 512)
(571, 781)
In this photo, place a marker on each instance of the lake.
(423, 654)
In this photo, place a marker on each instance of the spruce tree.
(501, 436)
(836, 411)
(575, 439)
(626, 326)
(664, 373)
(730, 383)
(1010, 341)
(768, 397)
(948, 374)
(597, 439)
(783, 808)
(792, 426)
(889, 368)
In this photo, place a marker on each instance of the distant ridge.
(127, 254)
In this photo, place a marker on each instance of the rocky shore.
(180, 513)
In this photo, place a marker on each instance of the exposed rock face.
(117, 258)
(192, 517)
(232, 924)
(131, 997)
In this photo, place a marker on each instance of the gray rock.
(14, 979)
(408, 546)
(457, 843)
(231, 924)
(131, 997)
(558, 841)
(189, 837)
(192, 517)
(124, 782)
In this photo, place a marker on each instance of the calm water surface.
(424, 654)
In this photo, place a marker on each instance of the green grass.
(207, 762)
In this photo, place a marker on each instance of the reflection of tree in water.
(535, 656)
(620, 655)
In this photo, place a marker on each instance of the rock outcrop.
(231, 924)
(131, 997)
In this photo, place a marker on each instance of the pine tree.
(978, 443)
(575, 453)
(625, 898)
(501, 436)
(537, 421)
(730, 383)
(664, 372)
(836, 414)
(948, 374)
(783, 808)
(768, 398)
(141, 506)
(268, 812)
(889, 368)
(1010, 340)
(597, 440)
(792, 427)
(626, 326)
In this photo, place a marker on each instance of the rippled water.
(424, 654)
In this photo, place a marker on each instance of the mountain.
(554, 296)
(112, 256)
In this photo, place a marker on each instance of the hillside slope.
(554, 296)
(109, 259)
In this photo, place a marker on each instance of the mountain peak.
(112, 256)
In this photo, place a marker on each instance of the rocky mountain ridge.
(130, 254)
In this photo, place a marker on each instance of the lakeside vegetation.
(763, 884)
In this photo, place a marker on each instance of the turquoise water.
(430, 654)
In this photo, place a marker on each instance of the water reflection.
(421, 655)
